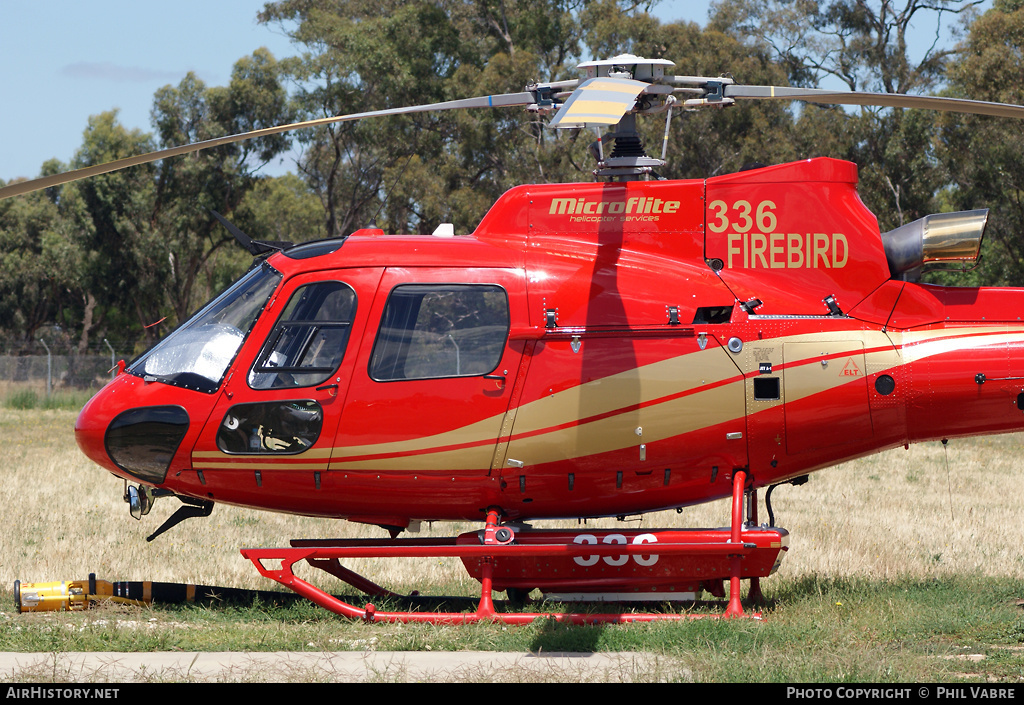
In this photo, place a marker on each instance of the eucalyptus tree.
(861, 45)
(708, 141)
(40, 270)
(983, 154)
(414, 172)
(146, 232)
(109, 218)
(185, 189)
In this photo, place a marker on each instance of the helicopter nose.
(89, 429)
(137, 442)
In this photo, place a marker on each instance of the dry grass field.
(903, 567)
(920, 512)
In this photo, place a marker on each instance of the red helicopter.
(598, 349)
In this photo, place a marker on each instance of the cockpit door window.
(308, 342)
(431, 331)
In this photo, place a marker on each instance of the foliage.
(40, 278)
(109, 220)
(982, 154)
(129, 249)
(22, 399)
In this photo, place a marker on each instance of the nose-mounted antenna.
(190, 509)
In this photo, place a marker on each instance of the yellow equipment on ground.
(83, 594)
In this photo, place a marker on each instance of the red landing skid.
(629, 566)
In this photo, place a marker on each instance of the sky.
(64, 60)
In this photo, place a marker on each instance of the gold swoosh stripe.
(664, 404)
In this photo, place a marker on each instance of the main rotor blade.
(488, 101)
(885, 100)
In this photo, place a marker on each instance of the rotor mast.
(628, 159)
(613, 93)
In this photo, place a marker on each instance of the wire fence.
(56, 372)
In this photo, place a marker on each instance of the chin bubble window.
(308, 342)
(286, 427)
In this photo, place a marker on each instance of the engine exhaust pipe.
(941, 237)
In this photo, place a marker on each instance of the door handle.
(496, 378)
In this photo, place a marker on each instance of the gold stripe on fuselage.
(666, 398)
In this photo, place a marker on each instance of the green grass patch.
(22, 399)
(813, 630)
(65, 400)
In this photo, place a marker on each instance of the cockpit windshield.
(197, 354)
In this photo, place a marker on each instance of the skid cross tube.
(277, 564)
